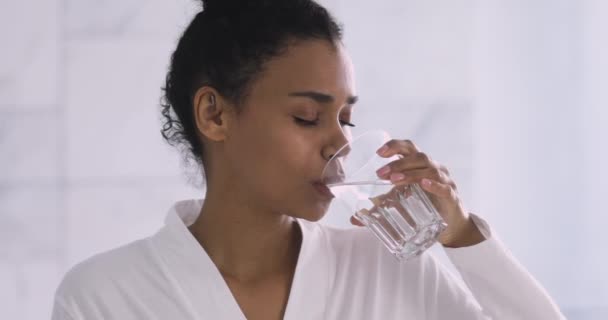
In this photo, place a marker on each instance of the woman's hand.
(434, 178)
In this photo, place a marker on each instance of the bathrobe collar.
(201, 284)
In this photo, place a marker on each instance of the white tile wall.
(31, 249)
(113, 19)
(112, 109)
(31, 221)
(29, 144)
(40, 278)
(126, 210)
(9, 300)
(30, 53)
(409, 49)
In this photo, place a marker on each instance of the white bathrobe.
(340, 274)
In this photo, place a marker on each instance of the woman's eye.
(345, 123)
(306, 122)
(311, 123)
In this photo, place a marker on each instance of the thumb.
(356, 221)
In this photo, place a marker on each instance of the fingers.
(394, 146)
(416, 176)
(407, 148)
(414, 161)
(413, 167)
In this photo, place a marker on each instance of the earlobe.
(210, 114)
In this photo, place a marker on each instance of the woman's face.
(278, 157)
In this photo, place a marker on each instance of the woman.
(260, 94)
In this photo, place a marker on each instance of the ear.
(212, 113)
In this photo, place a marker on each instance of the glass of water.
(401, 217)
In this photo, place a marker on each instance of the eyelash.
(308, 123)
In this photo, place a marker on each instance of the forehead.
(308, 65)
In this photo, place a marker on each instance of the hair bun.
(207, 4)
(214, 5)
(231, 5)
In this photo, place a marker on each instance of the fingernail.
(426, 182)
(397, 176)
(382, 150)
(383, 171)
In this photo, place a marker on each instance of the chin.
(313, 211)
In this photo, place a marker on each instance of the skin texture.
(261, 162)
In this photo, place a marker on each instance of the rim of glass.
(384, 133)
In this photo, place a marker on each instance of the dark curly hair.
(225, 47)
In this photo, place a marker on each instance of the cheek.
(278, 167)
(278, 156)
(288, 155)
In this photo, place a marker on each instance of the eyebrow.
(322, 98)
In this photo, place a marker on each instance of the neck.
(246, 244)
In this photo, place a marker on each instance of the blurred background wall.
(510, 95)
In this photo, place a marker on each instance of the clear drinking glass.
(401, 217)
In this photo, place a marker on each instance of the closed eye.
(304, 122)
(345, 123)
(312, 123)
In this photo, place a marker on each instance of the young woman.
(260, 94)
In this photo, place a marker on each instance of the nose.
(338, 144)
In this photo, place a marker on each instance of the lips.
(323, 189)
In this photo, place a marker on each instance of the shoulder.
(108, 270)
(358, 250)
(360, 264)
